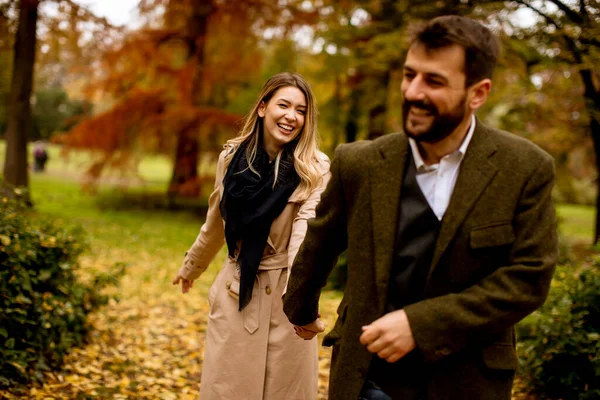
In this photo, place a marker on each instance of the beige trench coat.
(255, 354)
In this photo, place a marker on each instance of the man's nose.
(414, 90)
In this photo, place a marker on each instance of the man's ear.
(261, 109)
(479, 92)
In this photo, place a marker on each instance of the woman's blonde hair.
(306, 143)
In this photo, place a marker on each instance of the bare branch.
(572, 15)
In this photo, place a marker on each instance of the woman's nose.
(290, 115)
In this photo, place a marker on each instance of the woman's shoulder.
(322, 162)
(224, 159)
(228, 149)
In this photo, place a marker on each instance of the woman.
(269, 180)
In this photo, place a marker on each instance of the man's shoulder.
(362, 148)
(517, 146)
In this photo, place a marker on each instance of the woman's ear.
(261, 109)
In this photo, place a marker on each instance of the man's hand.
(309, 331)
(186, 284)
(390, 336)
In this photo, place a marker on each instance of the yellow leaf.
(5, 240)
(49, 242)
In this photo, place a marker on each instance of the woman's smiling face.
(283, 118)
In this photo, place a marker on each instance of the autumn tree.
(18, 112)
(563, 40)
(172, 84)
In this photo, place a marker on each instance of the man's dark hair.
(480, 44)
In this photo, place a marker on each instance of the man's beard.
(442, 125)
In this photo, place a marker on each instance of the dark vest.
(418, 229)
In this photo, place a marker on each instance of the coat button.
(268, 290)
(228, 284)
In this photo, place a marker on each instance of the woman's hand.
(307, 332)
(186, 284)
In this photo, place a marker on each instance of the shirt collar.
(420, 164)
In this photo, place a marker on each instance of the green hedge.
(43, 301)
(559, 345)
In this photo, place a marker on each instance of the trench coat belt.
(270, 270)
(269, 261)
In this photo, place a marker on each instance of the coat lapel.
(386, 180)
(476, 172)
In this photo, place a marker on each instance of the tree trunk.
(184, 181)
(595, 128)
(378, 113)
(19, 107)
(592, 101)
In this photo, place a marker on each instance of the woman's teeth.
(286, 127)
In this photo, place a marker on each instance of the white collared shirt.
(437, 180)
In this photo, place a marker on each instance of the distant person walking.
(450, 231)
(40, 157)
(269, 180)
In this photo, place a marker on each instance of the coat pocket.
(490, 236)
(334, 336)
(501, 356)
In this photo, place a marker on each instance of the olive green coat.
(492, 263)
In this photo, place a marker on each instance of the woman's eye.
(301, 112)
(282, 105)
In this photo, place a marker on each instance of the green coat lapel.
(476, 172)
(386, 180)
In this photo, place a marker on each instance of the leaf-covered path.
(149, 343)
(146, 347)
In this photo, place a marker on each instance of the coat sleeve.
(324, 241)
(444, 325)
(300, 224)
(212, 235)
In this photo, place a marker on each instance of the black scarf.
(249, 205)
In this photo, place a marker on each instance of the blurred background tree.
(179, 82)
(21, 47)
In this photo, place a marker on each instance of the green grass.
(155, 170)
(151, 242)
(576, 222)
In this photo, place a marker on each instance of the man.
(450, 231)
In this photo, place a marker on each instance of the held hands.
(389, 336)
(186, 284)
(309, 331)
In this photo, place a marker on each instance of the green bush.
(559, 345)
(43, 301)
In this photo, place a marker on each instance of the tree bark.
(184, 181)
(592, 102)
(19, 106)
